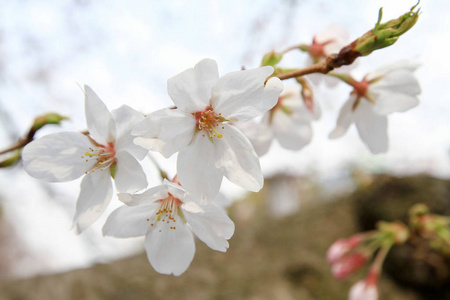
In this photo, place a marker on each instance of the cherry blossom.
(202, 127)
(169, 218)
(328, 41)
(289, 122)
(390, 89)
(107, 152)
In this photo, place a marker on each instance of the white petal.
(388, 102)
(57, 157)
(299, 110)
(292, 132)
(345, 119)
(242, 95)
(315, 78)
(99, 120)
(95, 195)
(196, 170)
(149, 196)
(170, 251)
(222, 201)
(192, 207)
(372, 128)
(191, 89)
(336, 35)
(127, 221)
(125, 119)
(260, 134)
(129, 176)
(410, 66)
(237, 160)
(213, 226)
(166, 131)
(400, 81)
(175, 189)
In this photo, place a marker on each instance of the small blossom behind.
(289, 122)
(328, 41)
(392, 88)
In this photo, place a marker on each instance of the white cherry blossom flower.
(108, 151)
(202, 127)
(169, 218)
(390, 89)
(289, 122)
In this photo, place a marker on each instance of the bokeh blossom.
(393, 88)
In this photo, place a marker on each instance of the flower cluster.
(347, 256)
(218, 128)
(202, 129)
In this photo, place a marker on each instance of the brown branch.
(325, 66)
(18, 145)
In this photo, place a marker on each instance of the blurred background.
(126, 51)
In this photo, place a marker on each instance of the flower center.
(360, 89)
(208, 120)
(168, 211)
(102, 156)
(317, 50)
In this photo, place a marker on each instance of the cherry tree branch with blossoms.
(219, 127)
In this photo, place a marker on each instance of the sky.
(126, 51)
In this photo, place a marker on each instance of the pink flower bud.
(347, 265)
(337, 250)
(342, 247)
(363, 290)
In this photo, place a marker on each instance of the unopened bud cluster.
(346, 256)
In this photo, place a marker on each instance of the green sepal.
(386, 34)
(11, 160)
(271, 59)
(113, 170)
(50, 118)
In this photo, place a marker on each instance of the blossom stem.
(301, 47)
(19, 145)
(380, 257)
(344, 77)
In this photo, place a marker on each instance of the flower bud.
(381, 36)
(363, 290)
(12, 160)
(342, 247)
(271, 58)
(50, 118)
(307, 94)
(348, 264)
